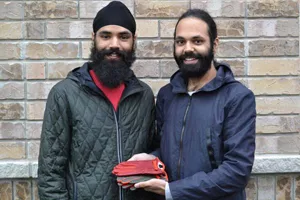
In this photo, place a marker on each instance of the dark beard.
(198, 69)
(112, 73)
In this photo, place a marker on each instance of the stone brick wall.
(41, 41)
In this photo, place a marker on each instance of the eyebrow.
(124, 33)
(195, 37)
(105, 32)
(109, 33)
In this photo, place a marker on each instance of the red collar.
(113, 94)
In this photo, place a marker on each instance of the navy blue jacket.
(207, 139)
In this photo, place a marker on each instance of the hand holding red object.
(141, 167)
(131, 172)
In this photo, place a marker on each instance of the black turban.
(115, 13)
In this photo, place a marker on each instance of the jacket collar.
(82, 76)
(224, 76)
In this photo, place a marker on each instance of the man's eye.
(198, 41)
(179, 42)
(125, 37)
(104, 36)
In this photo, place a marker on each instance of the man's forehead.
(192, 27)
(114, 29)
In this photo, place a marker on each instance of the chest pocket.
(214, 145)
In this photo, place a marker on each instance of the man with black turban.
(97, 117)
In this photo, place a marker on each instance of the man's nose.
(114, 43)
(188, 47)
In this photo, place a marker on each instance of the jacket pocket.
(214, 146)
(210, 150)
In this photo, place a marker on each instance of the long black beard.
(198, 69)
(112, 73)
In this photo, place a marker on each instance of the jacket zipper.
(119, 150)
(119, 144)
(181, 138)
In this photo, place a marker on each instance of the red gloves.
(131, 172)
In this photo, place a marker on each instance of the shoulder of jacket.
(166, 90)
(64, 87)
(146, 87)
(239, 93)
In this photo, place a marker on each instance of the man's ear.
(134, 42)
(93, 36)
(216, 45)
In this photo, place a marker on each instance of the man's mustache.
(190, 55)
(108, 52)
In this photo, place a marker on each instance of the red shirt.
(113, 94)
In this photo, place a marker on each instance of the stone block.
(34, 30)
(35, 110)
(273, 27)
(11, 71)
(221, 8)
(146, 28)
(278, 105)
(10, 50)
(11, 110)
(39, 90)
(11, 10)
(278, 144)
(12, 130)
(146, 68)
(167, 28)
(51, 9)
(273, 67)
(54, 50)
(73, 29)
(160, 9)
(6, 190)
(297, 188)
(34, 129)
(35, 70)
(154, 49)
(277, 124)
(266, 187)
(230, 49)
(273, 8)
(89, 9)
(272, 86)
(230, 28)
(276, 47)
(283, 187)
(59, 70)
(22, 190)
(11, 90)
(33, 149)
(10, 30)
(12, 150)
(14, 169)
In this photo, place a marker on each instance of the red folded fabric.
(142, 167)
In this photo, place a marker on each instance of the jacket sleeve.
(155, 138)
(159, 121)
(239, 145)
(54, 149)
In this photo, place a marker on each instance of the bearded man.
(206, 120)
(97, 117)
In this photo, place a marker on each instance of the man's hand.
(154, 185)
(142, 156)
